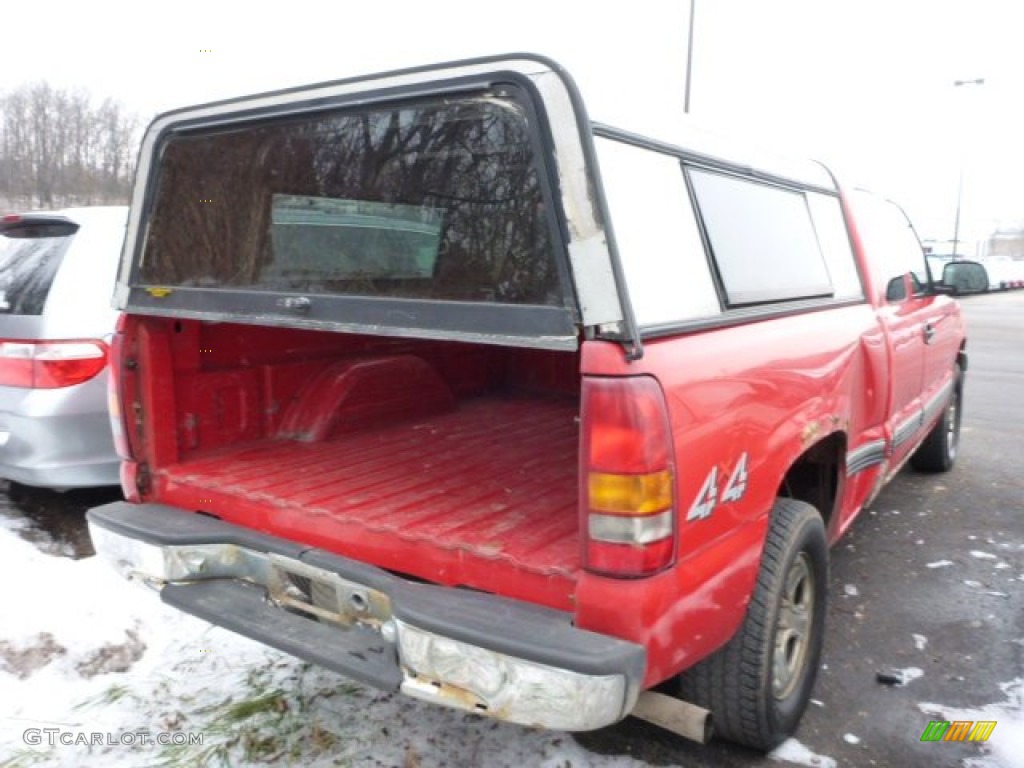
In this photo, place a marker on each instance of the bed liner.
(494, 480)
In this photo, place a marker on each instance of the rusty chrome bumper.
(482, 653)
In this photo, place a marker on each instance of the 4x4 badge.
(708, 498)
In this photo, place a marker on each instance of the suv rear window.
(31, 252)
(436, 200)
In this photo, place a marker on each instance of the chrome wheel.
(793, 627)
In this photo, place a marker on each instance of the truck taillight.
(627, 473)
(119, 424)
(50, 364)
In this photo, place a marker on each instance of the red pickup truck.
(429, 379)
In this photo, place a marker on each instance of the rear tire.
(938, 451)
(758, 685)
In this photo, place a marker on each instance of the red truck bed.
(503, 467)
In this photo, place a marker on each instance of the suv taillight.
(50, 364)
(627, 493)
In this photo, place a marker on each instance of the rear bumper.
(73, 451)
(486, 654)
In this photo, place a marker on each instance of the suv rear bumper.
(67, 451)
(479, 652)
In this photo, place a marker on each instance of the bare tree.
(57, 149)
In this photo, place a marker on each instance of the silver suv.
(57, 273)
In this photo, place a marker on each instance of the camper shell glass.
(761, 238)
(438, 200)
(707, 242)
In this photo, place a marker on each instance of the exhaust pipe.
(680, 717)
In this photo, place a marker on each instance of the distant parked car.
(57, 272)
(1004, 272)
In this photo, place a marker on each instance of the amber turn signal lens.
(630, 494)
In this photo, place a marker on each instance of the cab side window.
(891, 245)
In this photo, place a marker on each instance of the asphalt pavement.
(928, 582)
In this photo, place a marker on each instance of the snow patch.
(792, 751)
(849, 738)
(983, 555)
(1006, 744)
(899, 676)
(920, 641)
(939, 564)
(909, 674)
(851, 590)
(90, 653)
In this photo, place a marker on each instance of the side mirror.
(896, 290)
(964, 277)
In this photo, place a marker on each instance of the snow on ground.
(1006, 744)
(87, 657)
(93, 658)
(792, 751)
(909, 674)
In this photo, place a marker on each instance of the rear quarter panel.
(767, 390)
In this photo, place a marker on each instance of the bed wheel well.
(816, 476)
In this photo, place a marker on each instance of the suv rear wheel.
(758, 685)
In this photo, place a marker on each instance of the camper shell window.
(762, 240)
(437, 200)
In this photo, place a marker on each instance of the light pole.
(689, 56)
(960, 184)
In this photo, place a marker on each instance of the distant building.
(1006, 242)
(944, 248)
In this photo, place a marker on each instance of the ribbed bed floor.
(495, 479)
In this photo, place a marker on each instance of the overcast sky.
(864, 84)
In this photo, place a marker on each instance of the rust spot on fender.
(811, 432)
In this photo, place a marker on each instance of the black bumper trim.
(357, 653)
